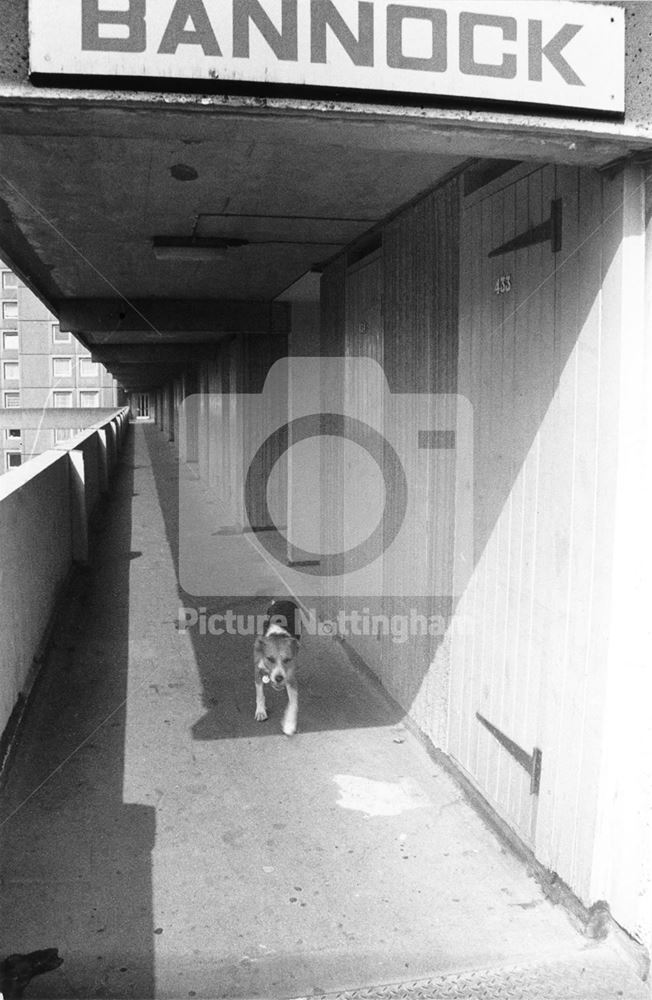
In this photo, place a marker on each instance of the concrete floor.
(170, 846)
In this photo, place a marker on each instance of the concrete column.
(184, 423)
(78, 507)
(622, 869)
(202, 429)
(171, 411)
(102, 461)
(112, 445)
(304, 461)
(177, 396)
(215, 426)
(234, 458)
(165, 410)
(190, 385)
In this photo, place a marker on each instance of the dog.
(17, 971)
(275, 661)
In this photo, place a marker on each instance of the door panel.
(537, 363)
(506, 356)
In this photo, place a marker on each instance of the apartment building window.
(89, 399)
(12, 400)
(88, 368)
(10, 310)
(62, 367)
(10, 340)
(9, 279)
(58, 336)
(14, 459)
(62, 434)
(11, 371)
(61, 400)
(13, 432)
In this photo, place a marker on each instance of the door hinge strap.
(550, 230)
(531, 762)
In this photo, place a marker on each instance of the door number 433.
(503, 284)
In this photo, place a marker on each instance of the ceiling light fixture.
(193, 248)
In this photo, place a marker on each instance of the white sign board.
(559, 54)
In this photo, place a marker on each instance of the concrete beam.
(144, 377)
(124, 355)
(375, 123)
(49, 418)
(171, 320)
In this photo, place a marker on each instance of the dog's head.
(17, 971)
(275, 655)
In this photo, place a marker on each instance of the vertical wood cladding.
(333, 309)
(420, 265)
(400, 306)
(533, 338)
(257, 356)
(231, 429)
(332, 344)
(540, 365)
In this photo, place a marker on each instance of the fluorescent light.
(190, 253)
(193, 248)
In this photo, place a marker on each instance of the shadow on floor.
(332, 695)
(75, 867)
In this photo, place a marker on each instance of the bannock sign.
(556, 54)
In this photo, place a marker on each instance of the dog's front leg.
(289, 724)
(261, 708)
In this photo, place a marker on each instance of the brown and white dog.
(275, 661)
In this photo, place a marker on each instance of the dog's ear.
(259, 648)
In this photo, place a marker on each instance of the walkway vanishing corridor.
(170, 846)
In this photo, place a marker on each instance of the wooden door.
(506, 369)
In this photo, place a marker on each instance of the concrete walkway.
(170, 846)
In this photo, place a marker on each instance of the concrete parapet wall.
(45, 506)
(36, 546)
(44, 418)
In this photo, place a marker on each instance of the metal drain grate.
(570, 980)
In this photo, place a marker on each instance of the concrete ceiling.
(84, 189)
(102, 200)
(295, 195)
(81, 209)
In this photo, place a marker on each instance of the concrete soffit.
(291, 182)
